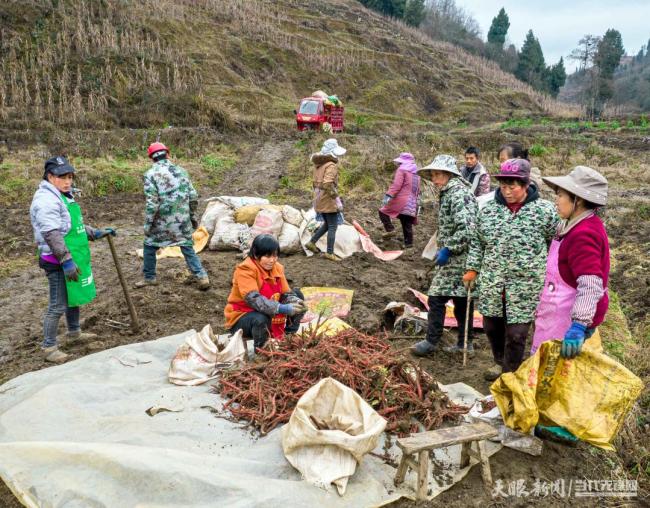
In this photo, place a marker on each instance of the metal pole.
(135, 325)
(469, 301)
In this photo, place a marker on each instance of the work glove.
(195, 222)
(469, 279)
(386, 199)
(71, 270)
(442, 256)
(101, 233)
(573, 340)
(292, 309)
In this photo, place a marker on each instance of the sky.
(559, 24)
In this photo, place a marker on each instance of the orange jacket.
(249, 276)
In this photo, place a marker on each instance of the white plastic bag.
(431, 248)
(329, 432)
(238, 201)
(348, 239)
(289, 239)
(291, 215)
(213, 212)
(228, 235)
(198, 359)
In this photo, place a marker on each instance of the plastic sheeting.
(80, 434)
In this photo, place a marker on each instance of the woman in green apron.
(63, 253)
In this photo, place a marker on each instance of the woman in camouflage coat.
(507, 259)
(456, 217)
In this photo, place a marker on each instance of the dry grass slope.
(148, 63)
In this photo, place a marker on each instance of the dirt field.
(173, 307)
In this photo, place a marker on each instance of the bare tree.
(586, 51)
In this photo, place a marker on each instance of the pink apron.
(553, 315)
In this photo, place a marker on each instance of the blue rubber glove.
(292, 309)
(573, 340)
(71, 270)
(386, 199)
(101, 233)
(442, 256)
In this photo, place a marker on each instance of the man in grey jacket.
(56, 220)
(475, 173)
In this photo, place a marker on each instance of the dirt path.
(259, 173)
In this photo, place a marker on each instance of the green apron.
(82, 291)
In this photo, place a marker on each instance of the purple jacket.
(404, 192)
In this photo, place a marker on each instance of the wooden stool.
(424, 442)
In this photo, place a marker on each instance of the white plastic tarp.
(79, 435)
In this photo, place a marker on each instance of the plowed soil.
(173, 307)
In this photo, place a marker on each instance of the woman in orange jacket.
(261, 303)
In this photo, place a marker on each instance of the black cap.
(58, 166)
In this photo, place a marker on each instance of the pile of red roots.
(265, 392)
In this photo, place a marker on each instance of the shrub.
(537, 150)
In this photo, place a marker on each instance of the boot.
(493, 372)
(386, 235)
(424, 348)
(459, 349)
(203, 283)
(312, 247)
(145, 283)
(53, 355)
(79, 336)
(331, 257)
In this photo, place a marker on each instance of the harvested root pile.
(265, 392)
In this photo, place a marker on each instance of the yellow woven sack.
(589, 395)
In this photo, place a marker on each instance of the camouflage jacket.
(171, 205)
(509, 252)
(456, 222)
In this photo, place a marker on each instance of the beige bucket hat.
(584, 182)
(440, 163)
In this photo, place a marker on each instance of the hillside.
(229, 63)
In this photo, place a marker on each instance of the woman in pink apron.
(574, 300)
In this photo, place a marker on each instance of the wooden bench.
(423, 442)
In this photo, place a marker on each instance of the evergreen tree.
(531, 67)
(556, 77)
(607, 59)
(610, 51)
(394, 8)
(414, 12)
(499, 29)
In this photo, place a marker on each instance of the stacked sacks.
(233, 222)
(219, 220)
